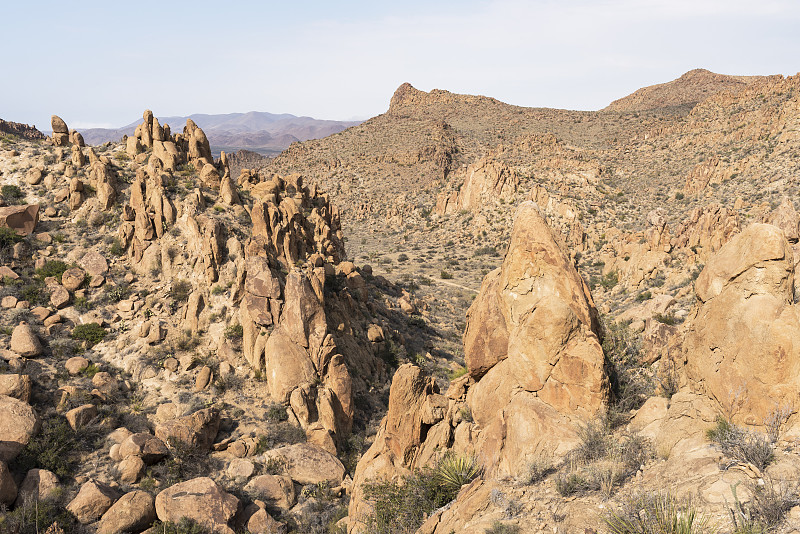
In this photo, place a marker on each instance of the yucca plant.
(454, 470)
(657, 513)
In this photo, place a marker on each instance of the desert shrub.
(184, 526)
(609, 280)
(116, 293)
(499, 528)
(8, 237)
(276, 412)
(457, 373)
(741, 444)
(180, 290)
(402, 506)
(12, 194)
(116, 248)
(644, 295)
(82, 304)
(402, 257)
(537, 470)
(234, 331)
(91, 333)
(54, 268)
(446, 275)
(656, 513)
(34, 292)
(52, 449)
(36, 517)
(485, 251)
(631, 383)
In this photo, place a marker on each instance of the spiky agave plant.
(454, 470)
(657, 513)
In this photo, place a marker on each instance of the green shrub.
(12, 194)
(457, 373)
(609, 280)
(235, 331)
(8, 237)
(180, 290)
(52, 449)
(446, 275)
(631, 384)
(656, 513)
(116, 248)
(116, 293)
(54, 268)
(741, 444)
(766, 509)
(499, 528)
(667, 319)
(644, 295)
(184, 526)
(91, 333)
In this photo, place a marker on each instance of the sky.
(100, 64)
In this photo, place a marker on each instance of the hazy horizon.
(101, 65)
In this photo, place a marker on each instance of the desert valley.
(458, 316)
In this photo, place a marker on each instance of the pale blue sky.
(102, 63)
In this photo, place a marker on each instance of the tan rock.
(275, 490)
(200, 500)
(92, 501)
(260, 522)
(204, 378)
(240, 468)
(73, 278)
(8, 488)
(94, 263)
(198, 430)
(41, 313)
(308, 464)
(133, 512)
(25, 342)
(76, 364)
(9, 301)
(39, 485)
(34, 176)
(17, 426)
(58, 125)
(130, 469)
(742, 336)
(147, 446)
(16, 386)
(59, 296)
(81, 416)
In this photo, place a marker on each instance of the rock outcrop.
(485, 180)
(535, 371)
(741, 342)
(22, 219)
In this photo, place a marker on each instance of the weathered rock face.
(287, 318)
(133, 512)
(742, 336)
(201, 500)
(309, 464)
(536, 370)
(60, 131)
(22, 219)
(197, 430)
(548, 369)
(8, 488)
(38, 485)
(17, 426)
(484, 180)
(92, 501)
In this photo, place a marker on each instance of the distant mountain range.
(265, 133)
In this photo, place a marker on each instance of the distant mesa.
(21, 130)
(688, 90)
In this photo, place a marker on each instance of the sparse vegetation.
(657, 513)
(90, 333)
(741, 444)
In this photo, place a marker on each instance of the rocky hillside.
(687, 91)
(458, 316)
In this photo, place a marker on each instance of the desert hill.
(687, 91)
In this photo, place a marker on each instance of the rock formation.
(485, 180)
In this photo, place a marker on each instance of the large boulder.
(200, 500)
(25, 342)
(309, 464)
(197, 430)
(144, 445)
(92, 501)
(22, 219)
(133, 512)
(38, 485)
(274, 490)
(539, 367)
(17, 386)
(742, 341)
(18, 425)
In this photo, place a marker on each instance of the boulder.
(94, 263)
(200, 500)
(39, 485)
(92, 501)
(260, 522)
(309, 464)
(146, 446)
(76, 364)
(17, 386)
(81, 416)
(133, 512)
(22, 219)
(8, 488)
(73, 278)
(275, 490)
(17, 426)
(130, 469)
(58, 125)
(25, 342)
(742, 341)
(198, 430)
